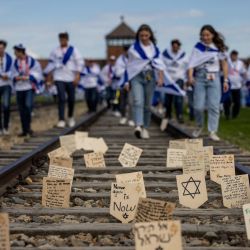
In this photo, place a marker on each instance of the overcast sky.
(36, 23)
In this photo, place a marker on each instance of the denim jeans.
(5, 94)
(91, 97)
(142, 93)
(110, 95)
(62, 89)
(207, 93)
(25, 105)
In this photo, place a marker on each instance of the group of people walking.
(131, 82)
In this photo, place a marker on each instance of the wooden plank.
(130, 248)
(106, 195)
(97, 212)
(115, 228)
(107, 185)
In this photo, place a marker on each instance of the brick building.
(120, 36)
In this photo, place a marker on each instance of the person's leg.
(20, 97)
(1, 108)
(88, 98)
(213, 104)
(6, 106)
(168, 105)
(227, 105)
(236, 97)
(199, 100)
(149, 87)
(61, 99)
(178, 101)
(123, 102)
(190, 96)
(138, 99)
(70, 89)
(108, 96)
(29, 96)
(95, 99)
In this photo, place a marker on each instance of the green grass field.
(237, 130)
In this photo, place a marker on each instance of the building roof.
(122, 31)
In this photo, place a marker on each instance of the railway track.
(87, 224)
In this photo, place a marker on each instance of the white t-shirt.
(235, 73)
(150, 52)
(67, 72)
(213, 65)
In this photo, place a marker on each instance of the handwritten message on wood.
(94, 160)
(235, 190)
(221, 165)
(79, 138)
(175, 157)
(134, 177)
(153, 210)
(4, 232)
(193, 162)
(124, 200)
(61, 161)
(129, 155)
(177, 144)
(56, 192)
(208, 155)
(69, 142)
(194, 144)
(61, 172)
(59, 152)
(158, 235)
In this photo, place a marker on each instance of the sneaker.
(138, 132)
(196, 133)
(117, 114)
(5, 132)
(145, 134)
(213, 136)
(164, 124)
(131, 123)
(71, 122)
(61, 124)
(123, 121)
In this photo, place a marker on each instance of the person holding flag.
(204, 74)
(90, 80)
(176, 62)
(65, 64)
(27, 75)
(5, 88)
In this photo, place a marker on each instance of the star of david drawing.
(159, 248)
(125, 216)
(191, 187)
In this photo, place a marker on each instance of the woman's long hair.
(145, 27)
(218, 38)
